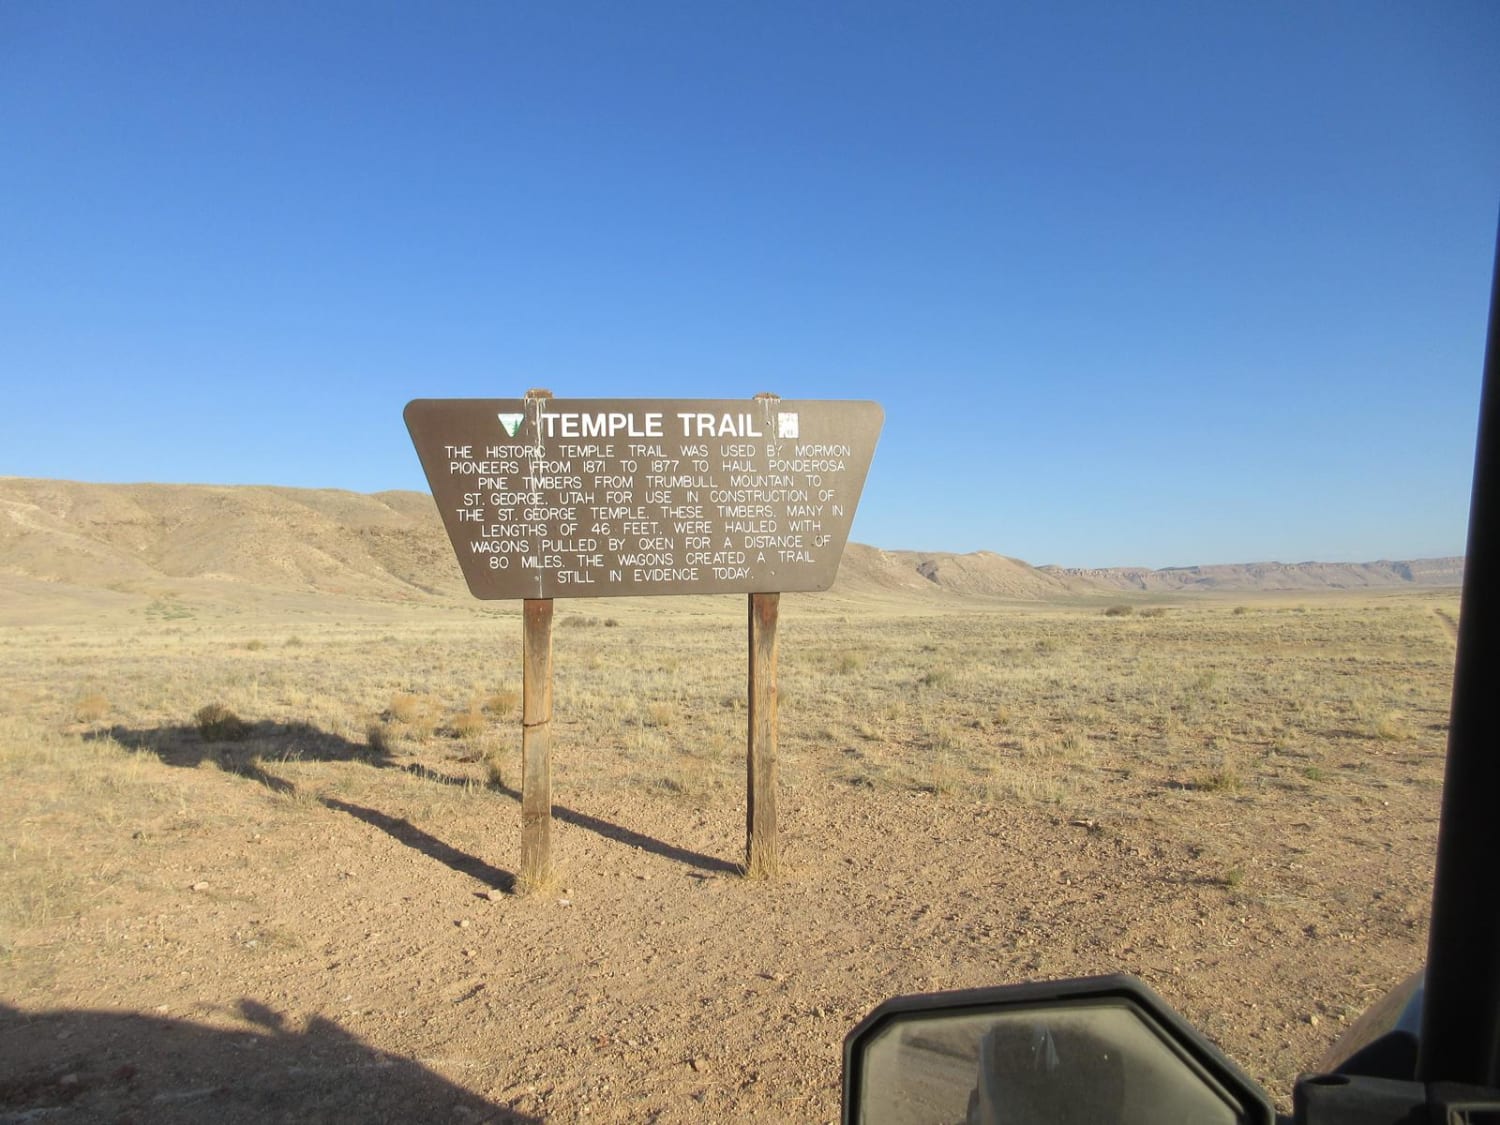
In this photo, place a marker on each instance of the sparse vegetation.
(217, 723)
(1391, 727)
(91, 707)
(469, 723)
(1222, 779)
(966, 791)
(502, 703)
(937, 678)
(404, 708)
(494, 768)
(1119, 611)
(381, 739)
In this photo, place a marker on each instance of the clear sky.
(1156, 284)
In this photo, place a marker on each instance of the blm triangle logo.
(511, 422)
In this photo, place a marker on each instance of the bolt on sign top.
(557, 498)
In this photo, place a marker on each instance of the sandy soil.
(326, 936)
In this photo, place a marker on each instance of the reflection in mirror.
(1099, 1061)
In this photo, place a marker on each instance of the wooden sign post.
(536, 745)
(536, 732)
(762, 853)
(548, 498)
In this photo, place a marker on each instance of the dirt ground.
(317, 922)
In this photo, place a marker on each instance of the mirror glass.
(1099, 1061)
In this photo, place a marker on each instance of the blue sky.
(1152, 284)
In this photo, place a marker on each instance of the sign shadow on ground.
(268, 741)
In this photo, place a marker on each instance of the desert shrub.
(494, 768)
(1240, 610)
(217, 723)
(1221, 780)
(936, 678)
(502, 702)
(404, 708)
(380, 739)
(1154, 611)
(848, 662)
(467, 724)
(91, 707)
(253, 646)
(1119, 611)
(1390, 728)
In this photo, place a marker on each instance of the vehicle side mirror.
(1103, 1050)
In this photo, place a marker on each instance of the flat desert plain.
(309, 913)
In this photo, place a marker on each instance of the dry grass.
(217, 723)
(1224, 739)
(1053, 705)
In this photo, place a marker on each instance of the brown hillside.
(1270, 576)
(391, 546)
(133, 535)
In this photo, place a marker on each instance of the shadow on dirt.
(409, 834)
(265, 743)
(71, 1065)
(631, 838)
(261, 745)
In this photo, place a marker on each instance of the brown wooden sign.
(557, 498)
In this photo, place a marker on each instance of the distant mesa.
(95, 542)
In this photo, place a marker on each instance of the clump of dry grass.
(404, 708)
(494, 768)
(503, 702)
(1391, 727)
(418, 715)
(470, 723)
(381, 739)
(217, 723)
(1222, 779)
(539, 882)
(764, 861)
(850, 662)
(1119, 611)
(91, 706)
(937, 678)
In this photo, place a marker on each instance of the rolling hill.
(390, 546)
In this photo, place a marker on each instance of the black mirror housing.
(1097, 1049)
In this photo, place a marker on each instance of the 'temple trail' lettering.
(604, 424)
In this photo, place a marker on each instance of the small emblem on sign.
(786, 425)
(512, 423)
